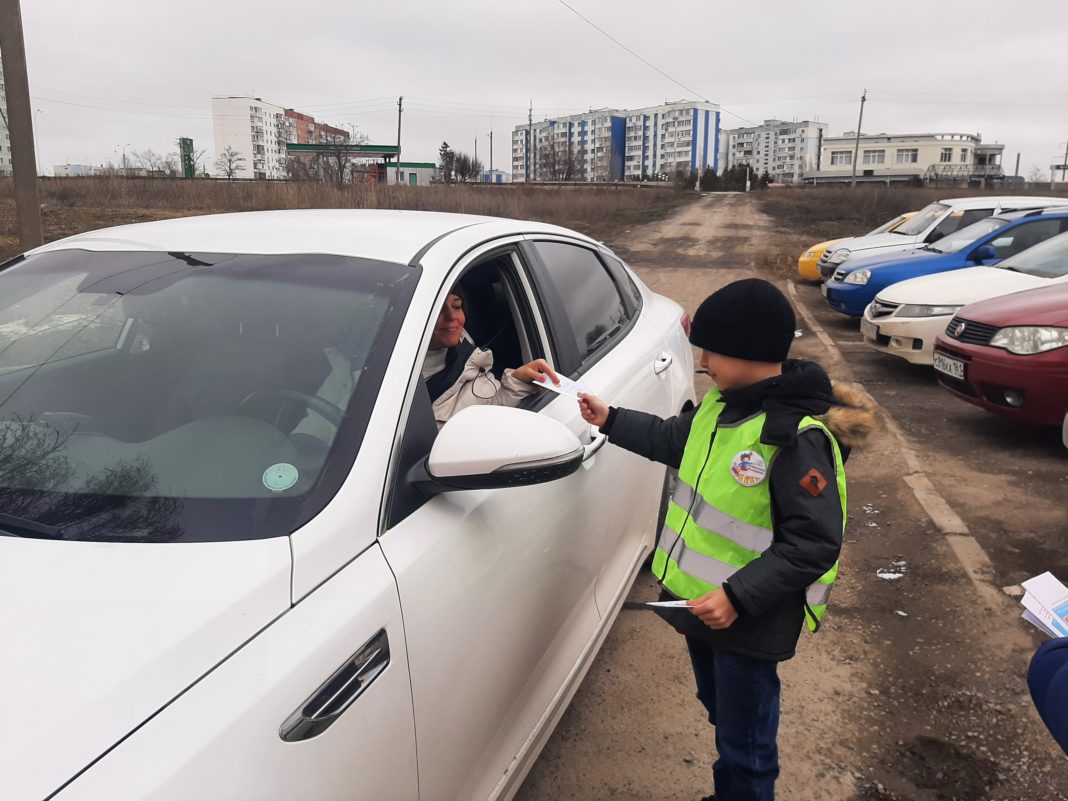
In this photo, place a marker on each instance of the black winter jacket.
(769, 592)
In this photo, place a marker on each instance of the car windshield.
(1047, 259)
(958, 240)
(924, 219)
(886, 226)
(186, 396)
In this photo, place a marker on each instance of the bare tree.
(150, 160)
(466, 168)
(1037, 175)
(230, 162)
(336, 160)
(557, 161)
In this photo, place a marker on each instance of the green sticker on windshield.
(279, 477)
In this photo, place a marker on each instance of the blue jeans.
(742, 699)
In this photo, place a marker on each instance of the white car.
(238, 560)
(928, 225)
(905, 318)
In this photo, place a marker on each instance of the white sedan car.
(905, 318)
(238, 560)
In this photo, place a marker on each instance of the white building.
(255, 129)
(5, 136)
(71, 170)
(787, 151)
(926, 157)
(616, 145)
(661, 140)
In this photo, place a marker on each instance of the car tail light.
(685, 323)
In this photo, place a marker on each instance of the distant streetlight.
(36, 142)
(123, 156)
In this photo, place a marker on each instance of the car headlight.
(840, 255)
(809, 254)
(919, 310)
(857, 277)
(1027, 340)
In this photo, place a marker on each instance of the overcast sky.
(113, 72)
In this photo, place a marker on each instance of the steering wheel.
(329, 411)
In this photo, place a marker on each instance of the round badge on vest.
(749, 468)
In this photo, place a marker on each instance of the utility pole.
(856, 146)
(1064, 164)
(530, 138)
(1017, 173)
(476, 154)
(20, 125)
(491, 154)
(396, 167)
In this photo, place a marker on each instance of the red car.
(1009, 355)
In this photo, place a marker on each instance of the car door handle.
(597, 441)
(337, 693)
(663, 362)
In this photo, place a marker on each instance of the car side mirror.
(984, 253)
(1064, 431)
(491, 447)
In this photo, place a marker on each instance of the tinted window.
(1048, 259)
(1026, 235)
(957, 220)
(165, 396)
(587, 292)
(959, 240)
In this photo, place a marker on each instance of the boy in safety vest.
(755, 523)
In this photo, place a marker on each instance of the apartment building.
(660, 140)
(257, 130)
(787, 151)
(616, 145)
(898, 158)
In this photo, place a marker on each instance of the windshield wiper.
(21, 527)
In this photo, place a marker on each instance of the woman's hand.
(715, 609)
(537, 370)
(593, 409)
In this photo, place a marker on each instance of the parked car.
(238, 559)
(1009, 355)
(930, 224)
(905, 319)
(808, 265)
(986, 242)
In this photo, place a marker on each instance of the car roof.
(1011, 201)
(385, 235)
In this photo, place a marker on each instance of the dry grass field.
(70, 206)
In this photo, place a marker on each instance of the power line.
(644, 61)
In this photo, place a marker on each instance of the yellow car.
(808, 264)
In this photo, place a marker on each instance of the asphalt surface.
(915, 687)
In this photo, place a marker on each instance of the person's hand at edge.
(537, 370)
(594, 410)
(715, 609)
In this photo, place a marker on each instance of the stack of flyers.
(1046, 605)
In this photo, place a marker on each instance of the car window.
(959, 240)
(958, 219)
(589, 297)
(1026, 235)
(923, 220)
(1047, 259)
(196, 397)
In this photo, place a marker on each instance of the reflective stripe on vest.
(719, 518)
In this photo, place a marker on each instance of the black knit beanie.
(748, 319)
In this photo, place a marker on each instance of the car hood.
(1046, 305)
(960, 287)
(100, 636)
(910, 258)
(858, 245)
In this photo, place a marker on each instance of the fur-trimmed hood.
(853, 417)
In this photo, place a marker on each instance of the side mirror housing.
(984, 253)
(490, 447)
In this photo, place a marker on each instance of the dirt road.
(914, 690)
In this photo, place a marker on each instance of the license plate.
(951, 367)
(823, 289)
(869, 330)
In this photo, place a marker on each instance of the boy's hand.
(715, 609)
(537, 370)
(593, 409)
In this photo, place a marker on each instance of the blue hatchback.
(856, 283)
